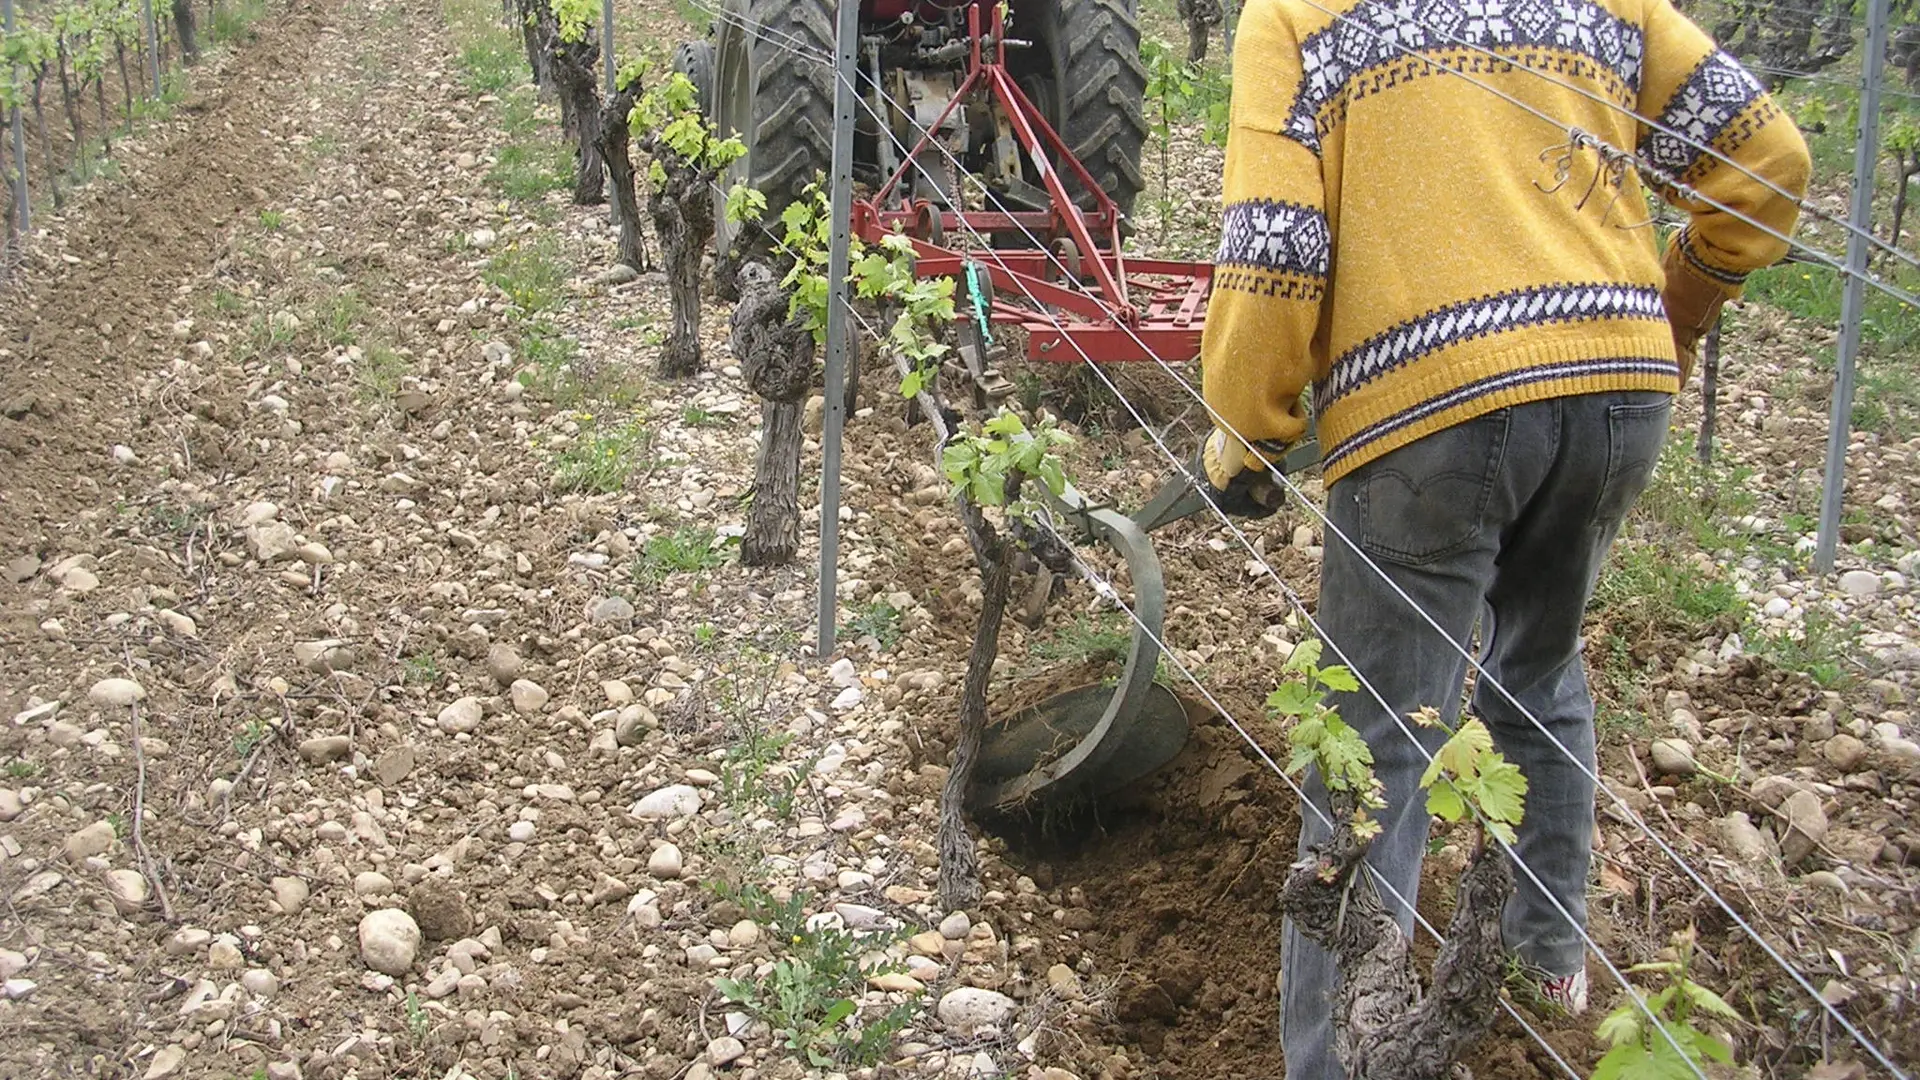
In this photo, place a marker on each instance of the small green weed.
(1654, 1035)
(380, 373)
(252, 733)
(233, 19)
(751, 781)
(339, 315)
(878, 620)
(694, 416)
(272, 220)
(530, 273)
(227, 302)
(421, 669)
(20, 769)
(602, 460)
(811, 997)
(418, 1026)
(1087, 637)
(1819, 649)
(526, 170)
(1647, 585)
(688, 549)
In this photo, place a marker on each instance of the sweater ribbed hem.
(1359, 429)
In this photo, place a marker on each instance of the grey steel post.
(606, 40)
(1866, 153)
(23, 212)
(153, 45)
(846, 40)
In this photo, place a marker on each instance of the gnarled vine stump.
(1383, 1028)
(682, 213)
(776, 354)
(614, 139)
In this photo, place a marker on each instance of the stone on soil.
(724, 1051)
(528, 697)
(672, 801)
(94, 839)
(460, 717)
(1859, 583)
(969, 1008)
(1844, 752)
(1674, 757)
(665, 861)
(324, 748)
(128, 889)
(389, 940)
(439, 909)
(120, 692)
(1806, 826)
(290, 894)
(166, 1062)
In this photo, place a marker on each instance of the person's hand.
(1693, 302)
(1239, 476)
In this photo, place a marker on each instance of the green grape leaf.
(1339, 678)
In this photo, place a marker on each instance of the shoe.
(1569, 992)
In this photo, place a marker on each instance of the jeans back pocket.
(1428, 499)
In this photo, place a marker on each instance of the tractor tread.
(1103, 89)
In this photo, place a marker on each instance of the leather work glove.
(1693, 301)
(1239, 476)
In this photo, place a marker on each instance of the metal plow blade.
(1096, 740)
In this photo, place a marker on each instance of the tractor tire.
(1095, 89)
(778, 102)
(694, 59)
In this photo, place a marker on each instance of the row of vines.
(76, 74)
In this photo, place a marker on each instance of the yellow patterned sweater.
(1421, 250)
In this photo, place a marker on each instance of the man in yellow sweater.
(1433, 219)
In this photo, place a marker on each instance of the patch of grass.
(380, 373)
(19, 769)
(525, 169)
(421, 668)
(251, 734)
(602, 460)
(271, 220)
(338, 316)
(1819, 649)
(227, 302)
(878, 620)
(694, 416)
(233, 20)
(752, 779)
(1087, 637)
(175, 519)
(530, 273)
(1648, 586)
(418, 1026)
(816, 984)
(686, 550)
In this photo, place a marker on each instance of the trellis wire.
(1600, 782)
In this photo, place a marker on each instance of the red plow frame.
(1094, 302)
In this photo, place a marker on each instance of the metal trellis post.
(606, 40)
(846, 39)
(1853, 299)
(153, 45)
(23, 212)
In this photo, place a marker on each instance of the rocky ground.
(385, 699)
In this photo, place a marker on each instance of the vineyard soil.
(359, 573)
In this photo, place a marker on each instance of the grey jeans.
(1503, 520)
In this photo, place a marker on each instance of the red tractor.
(1037, 101)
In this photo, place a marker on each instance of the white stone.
(848, 698)
(528, 697)
(672, 801)
(290, 893)
(969, 1007)
(121, 692)
(372, 883)
(1776, 608)
(389, 939)
(460, 717)
(842, 673)
(128, 890)
(520, 832)
(166, 1062)
(665, 861)
(955, 926)
(1859, 583)
(724, 1050)
(1673, 757)
(18, 989)
(94, 839)
(260, 982)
